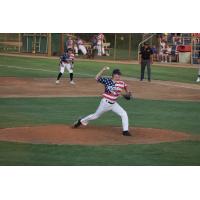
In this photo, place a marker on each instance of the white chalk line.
(44, 70)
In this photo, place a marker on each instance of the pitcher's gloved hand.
(128, 96)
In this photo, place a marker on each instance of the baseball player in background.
(81, 46)
(100, 47)
(66, 62)
(113, 89)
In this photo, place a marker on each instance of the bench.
(106, 48)
(11, 45)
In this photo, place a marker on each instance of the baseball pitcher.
(113, 89)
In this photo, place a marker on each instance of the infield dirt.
(46, 87)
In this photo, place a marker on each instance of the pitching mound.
(63, 134)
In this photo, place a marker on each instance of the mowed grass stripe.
(91, 68)
(42, 70)
(179, 153)
(172, 115)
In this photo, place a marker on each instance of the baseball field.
(36, 116)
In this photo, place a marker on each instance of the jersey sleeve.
(102, 80)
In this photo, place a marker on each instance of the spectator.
(81, 46)
(93, 46)
(146, 59)
(167, 53)
(94, 42)
(70, 44)
(100, 41)
(162, 49)
(177, 39)
(164, 37)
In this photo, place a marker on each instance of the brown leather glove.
(128, 96)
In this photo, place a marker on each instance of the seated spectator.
(81, 46)
(93, 48)
(94, 42)
(167, 53)
(177, 39)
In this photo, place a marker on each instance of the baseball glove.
(128, 96)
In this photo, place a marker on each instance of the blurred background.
(176, 47)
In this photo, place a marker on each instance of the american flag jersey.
(112, 89)
(67, 58)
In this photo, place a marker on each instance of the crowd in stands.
(95, 46)
(167, 49)
(170, 44)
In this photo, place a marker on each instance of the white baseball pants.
(83, 49)
(105, 107)
(76, 49)
(68, 66)
(100, 48)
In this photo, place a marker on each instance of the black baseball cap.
(70, 49)
(116, 71)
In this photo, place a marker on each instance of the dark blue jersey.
(65, 58)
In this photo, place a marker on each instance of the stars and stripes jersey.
(67, 58)
(112, 89)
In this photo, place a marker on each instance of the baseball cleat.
(198, 80)
(126, 133)
(57, 81)
(72, 82)
(77, 123)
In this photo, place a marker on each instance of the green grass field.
(172, 115)
(34, 67)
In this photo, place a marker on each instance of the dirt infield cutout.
(90, 135)
(46, 87)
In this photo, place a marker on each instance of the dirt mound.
(63, 134)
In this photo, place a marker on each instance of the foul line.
(44, 70)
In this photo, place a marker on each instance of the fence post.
(129, 48)
(19, 39)
(115, 45)
(49, 44)
(62, 43)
